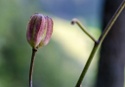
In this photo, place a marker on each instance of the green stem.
(87, 65)
(82, 28)
(98, 43)
(112, 21)
(31, 67)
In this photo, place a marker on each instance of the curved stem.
(100, 40)
(31, 67)
(82, 28)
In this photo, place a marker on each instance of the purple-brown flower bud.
(39, 30)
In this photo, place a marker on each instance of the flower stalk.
(98, 42)
(31, 67)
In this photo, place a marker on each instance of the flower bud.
(39, 30)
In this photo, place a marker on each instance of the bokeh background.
(60, 63)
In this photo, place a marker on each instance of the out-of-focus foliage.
(55, 65)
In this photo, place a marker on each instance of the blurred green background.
(59, 64)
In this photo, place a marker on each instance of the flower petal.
(35, 29)
(49, 30)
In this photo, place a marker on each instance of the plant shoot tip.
(74, 21)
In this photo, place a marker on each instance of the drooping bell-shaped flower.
(39, 30)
